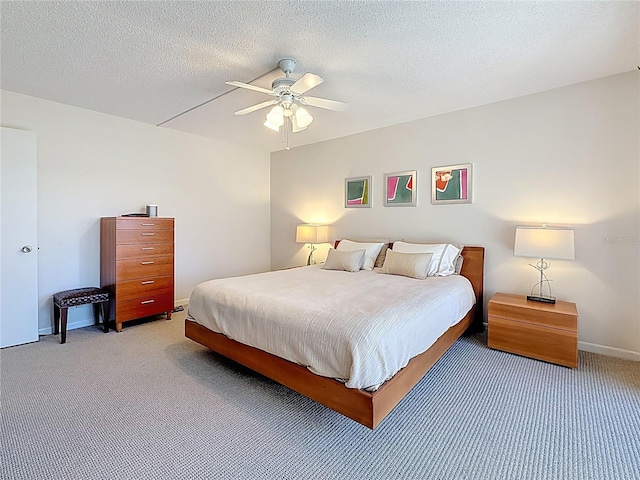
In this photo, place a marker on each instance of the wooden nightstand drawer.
(534, 315)
(535, 341)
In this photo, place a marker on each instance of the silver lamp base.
(311, 260)
(541, 266)
(538, 298)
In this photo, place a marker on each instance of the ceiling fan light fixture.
(295, 128)
(303, 118)
(276, 116)
(273, 127)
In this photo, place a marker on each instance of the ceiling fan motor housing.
(281, 86)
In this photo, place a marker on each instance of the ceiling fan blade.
(253, 108)
(249, 87)
(306, 83)
(324, 103)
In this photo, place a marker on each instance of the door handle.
(26, 249)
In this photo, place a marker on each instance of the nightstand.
(543, 331)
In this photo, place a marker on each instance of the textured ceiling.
(391, 61)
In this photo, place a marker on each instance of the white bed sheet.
(360, 328)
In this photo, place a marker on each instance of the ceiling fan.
(289, 101)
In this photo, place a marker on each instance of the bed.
(362, 396)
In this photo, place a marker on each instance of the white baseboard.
(609, 351)
(184, 302)
(88, 321)
(85, 322)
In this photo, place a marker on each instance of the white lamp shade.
(544, 242)
(295, 128)
(276, 116)
(303, 118)
(310, 233)
(275, 128)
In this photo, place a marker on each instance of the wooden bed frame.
(367, 408)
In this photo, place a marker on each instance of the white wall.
(566, 157)
(91, 165)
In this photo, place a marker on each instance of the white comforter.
(360, 328)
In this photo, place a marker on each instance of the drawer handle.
(147, 263)
(147, 234)
(147, 224)
(148, 282)
(147, 248)
(146, 302)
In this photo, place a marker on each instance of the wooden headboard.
(473, 270)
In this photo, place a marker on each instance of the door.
(18, 238)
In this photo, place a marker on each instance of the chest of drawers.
(137, 266)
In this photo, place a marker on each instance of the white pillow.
(383, 251)
(348, 261)
(458, 266)
(414, 265)
(372, 251)
(449, 261)
(443, 259)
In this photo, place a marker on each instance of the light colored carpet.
(148, 403)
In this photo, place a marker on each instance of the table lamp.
(543, 243)
(312, 234)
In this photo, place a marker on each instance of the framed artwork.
(357, 192)
(451, 184)
(401, 189)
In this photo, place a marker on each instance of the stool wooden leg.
(105, 321)
(63, 326)
(96, 313)
(56, 319)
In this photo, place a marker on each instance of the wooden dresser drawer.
(144, 306)
(143, 236)
(143, 268)
(129, 289)
(146, 250)
(144, 223)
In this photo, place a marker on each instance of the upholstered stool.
(79, 296)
